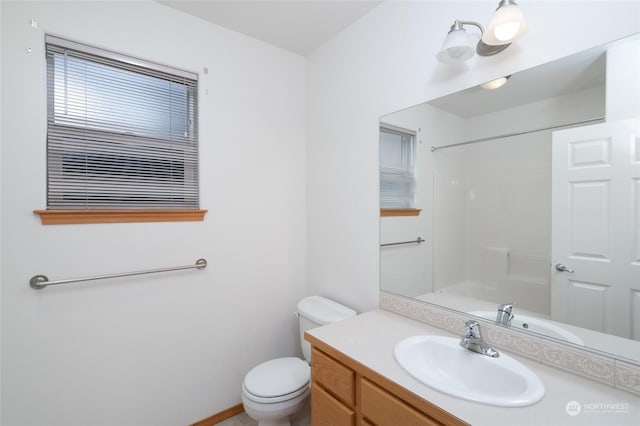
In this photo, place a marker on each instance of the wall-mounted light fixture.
(507, 25)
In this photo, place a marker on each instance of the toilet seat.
(277, 380)
(276, 399)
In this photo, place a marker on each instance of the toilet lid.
(277, 377)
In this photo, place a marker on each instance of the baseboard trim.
(221, 416)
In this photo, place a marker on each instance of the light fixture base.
(484, 49)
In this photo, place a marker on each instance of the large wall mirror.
(529, 195)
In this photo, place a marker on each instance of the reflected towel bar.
(416, 241)
(38, 282)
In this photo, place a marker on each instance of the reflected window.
(397, 168)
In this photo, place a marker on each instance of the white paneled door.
(595, 254)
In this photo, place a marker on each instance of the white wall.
(166, 349)
(623, 81)
(385, 62)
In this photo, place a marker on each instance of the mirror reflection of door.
(595, 262)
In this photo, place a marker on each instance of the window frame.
(407, 171)
(131, 211)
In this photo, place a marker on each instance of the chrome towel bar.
(38, 282)
(416, 241)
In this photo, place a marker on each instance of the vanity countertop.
(369, 339)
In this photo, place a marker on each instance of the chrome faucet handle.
(506, 307)
(472, 330)
(505, 316)
(473, 341)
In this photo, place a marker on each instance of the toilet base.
(277, 414)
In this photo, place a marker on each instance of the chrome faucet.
(504, 314)
(472, 340)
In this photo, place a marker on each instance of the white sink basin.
(537, 325)
(441, 363)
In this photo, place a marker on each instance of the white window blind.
(397, 171)
(121, 132)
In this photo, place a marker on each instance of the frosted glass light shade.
(457, 47)
(507, 25)
(495, 84)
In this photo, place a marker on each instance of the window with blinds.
(121, 132)
(397, 171)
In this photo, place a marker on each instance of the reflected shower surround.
(492, 213)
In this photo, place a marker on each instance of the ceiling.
(299, 26)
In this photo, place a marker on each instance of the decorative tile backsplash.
(582, 362)
(627, 377)
(592, 365)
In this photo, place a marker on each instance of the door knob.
(560, 267)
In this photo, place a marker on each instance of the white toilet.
(276, 389)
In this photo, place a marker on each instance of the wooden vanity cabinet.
(346, 393)
(327, 410)
(333, 394)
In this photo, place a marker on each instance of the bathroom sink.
(537, 325)
(441, 363)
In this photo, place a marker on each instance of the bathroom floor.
(303, 418)
(241, 419)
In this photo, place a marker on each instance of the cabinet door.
(328, 411)
(384, 409)
(333, 376)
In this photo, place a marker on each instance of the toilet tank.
(314, 311)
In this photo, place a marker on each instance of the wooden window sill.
(66, 217)
(399, 212)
